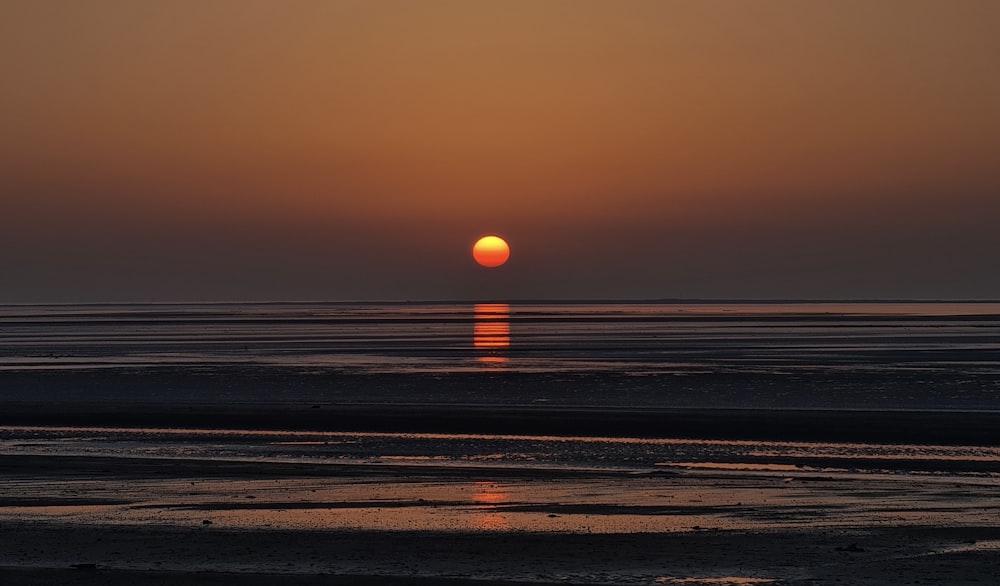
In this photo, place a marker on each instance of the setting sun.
(491, 251)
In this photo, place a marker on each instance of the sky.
(246, 150)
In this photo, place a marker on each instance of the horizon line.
(528, 301)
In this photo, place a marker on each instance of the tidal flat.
(150, 506)
(500, 444)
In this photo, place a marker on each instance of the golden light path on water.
(491, 332)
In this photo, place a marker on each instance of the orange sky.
(343, 150)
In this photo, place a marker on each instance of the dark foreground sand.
(883, 556)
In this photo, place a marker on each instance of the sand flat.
(154, 519)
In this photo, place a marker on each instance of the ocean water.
(934, 355)
(634, 337)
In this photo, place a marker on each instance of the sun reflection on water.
(491, 332)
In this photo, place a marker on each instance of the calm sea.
(559, 357)
(952, 347)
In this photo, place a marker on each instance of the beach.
(94, 518)
(99, 502)
(586, 456)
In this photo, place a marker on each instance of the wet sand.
(91, 518)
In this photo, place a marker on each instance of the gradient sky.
(252, 150)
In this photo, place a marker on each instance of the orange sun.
(491, 251)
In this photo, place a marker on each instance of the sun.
(491, 251)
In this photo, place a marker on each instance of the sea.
(938, 355)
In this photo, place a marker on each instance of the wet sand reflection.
(485, 516)
(686, 502)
